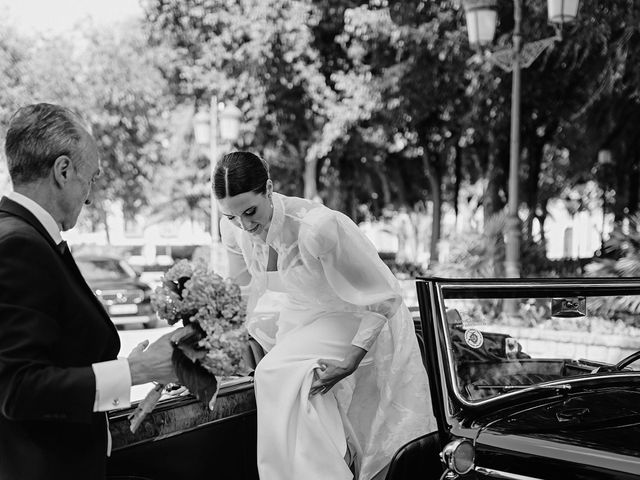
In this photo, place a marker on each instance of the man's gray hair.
(37, 135)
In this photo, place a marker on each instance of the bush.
(476, 254)
(620, 256)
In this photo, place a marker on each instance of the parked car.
(529, 380)
(119, 288)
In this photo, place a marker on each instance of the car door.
(182, 438)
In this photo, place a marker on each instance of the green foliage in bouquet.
(210, 344)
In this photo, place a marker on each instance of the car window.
(102, 269)
(501, 345)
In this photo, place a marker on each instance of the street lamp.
(481, 18)
(480, 23)
(221, 124)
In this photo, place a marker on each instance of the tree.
(383, 102)
(412, 55)
(127, 102)
(111, 79)
(182, 192)
(259, 55)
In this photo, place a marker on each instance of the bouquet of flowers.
(210, 343)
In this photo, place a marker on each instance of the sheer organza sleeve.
(354, 271)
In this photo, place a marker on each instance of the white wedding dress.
(333, 292)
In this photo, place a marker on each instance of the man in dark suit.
(58, 347)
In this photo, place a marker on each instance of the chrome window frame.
(520, 288)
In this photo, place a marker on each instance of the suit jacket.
(52, 328)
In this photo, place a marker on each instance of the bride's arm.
(356, 273)
(358, 276)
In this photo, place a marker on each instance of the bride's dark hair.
(240, 172)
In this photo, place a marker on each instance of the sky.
(59, 16)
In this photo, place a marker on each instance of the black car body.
(524, 378)
(507, 407)
(117, 285)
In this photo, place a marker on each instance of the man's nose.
(244, 223)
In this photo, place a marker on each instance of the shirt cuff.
(113, 385)
(369, 329)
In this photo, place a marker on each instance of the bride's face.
(250, 211)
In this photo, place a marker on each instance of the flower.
(213, 337)
(210, 304)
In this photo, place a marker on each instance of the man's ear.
(269, 187)
(62, 167)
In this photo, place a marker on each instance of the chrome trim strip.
(449, 350)
(565, 452)
(441, 355)
(490, 472)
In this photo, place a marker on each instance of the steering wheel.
(628, 360)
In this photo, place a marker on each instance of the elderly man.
(58, 347)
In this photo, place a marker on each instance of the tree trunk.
(634, 182)
(541, 219)
(353, 203)
(384, 185)
(535, 152)
(103, 218)
(433, 175)
(310, 182)
(456, 185)
(397, 180)
(620, 187)
(493, 203)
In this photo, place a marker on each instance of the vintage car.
(119, 288)
(530, 380)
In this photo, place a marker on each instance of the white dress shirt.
(113, 378)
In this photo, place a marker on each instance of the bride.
(342, 386)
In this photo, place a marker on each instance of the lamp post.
(481, 24)
(221, 124)
(604, 163)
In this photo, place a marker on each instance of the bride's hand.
(331, 372)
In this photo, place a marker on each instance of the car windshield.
(104, 269)
(502, 341)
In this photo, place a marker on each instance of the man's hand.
(152, 363)
(331, 372)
